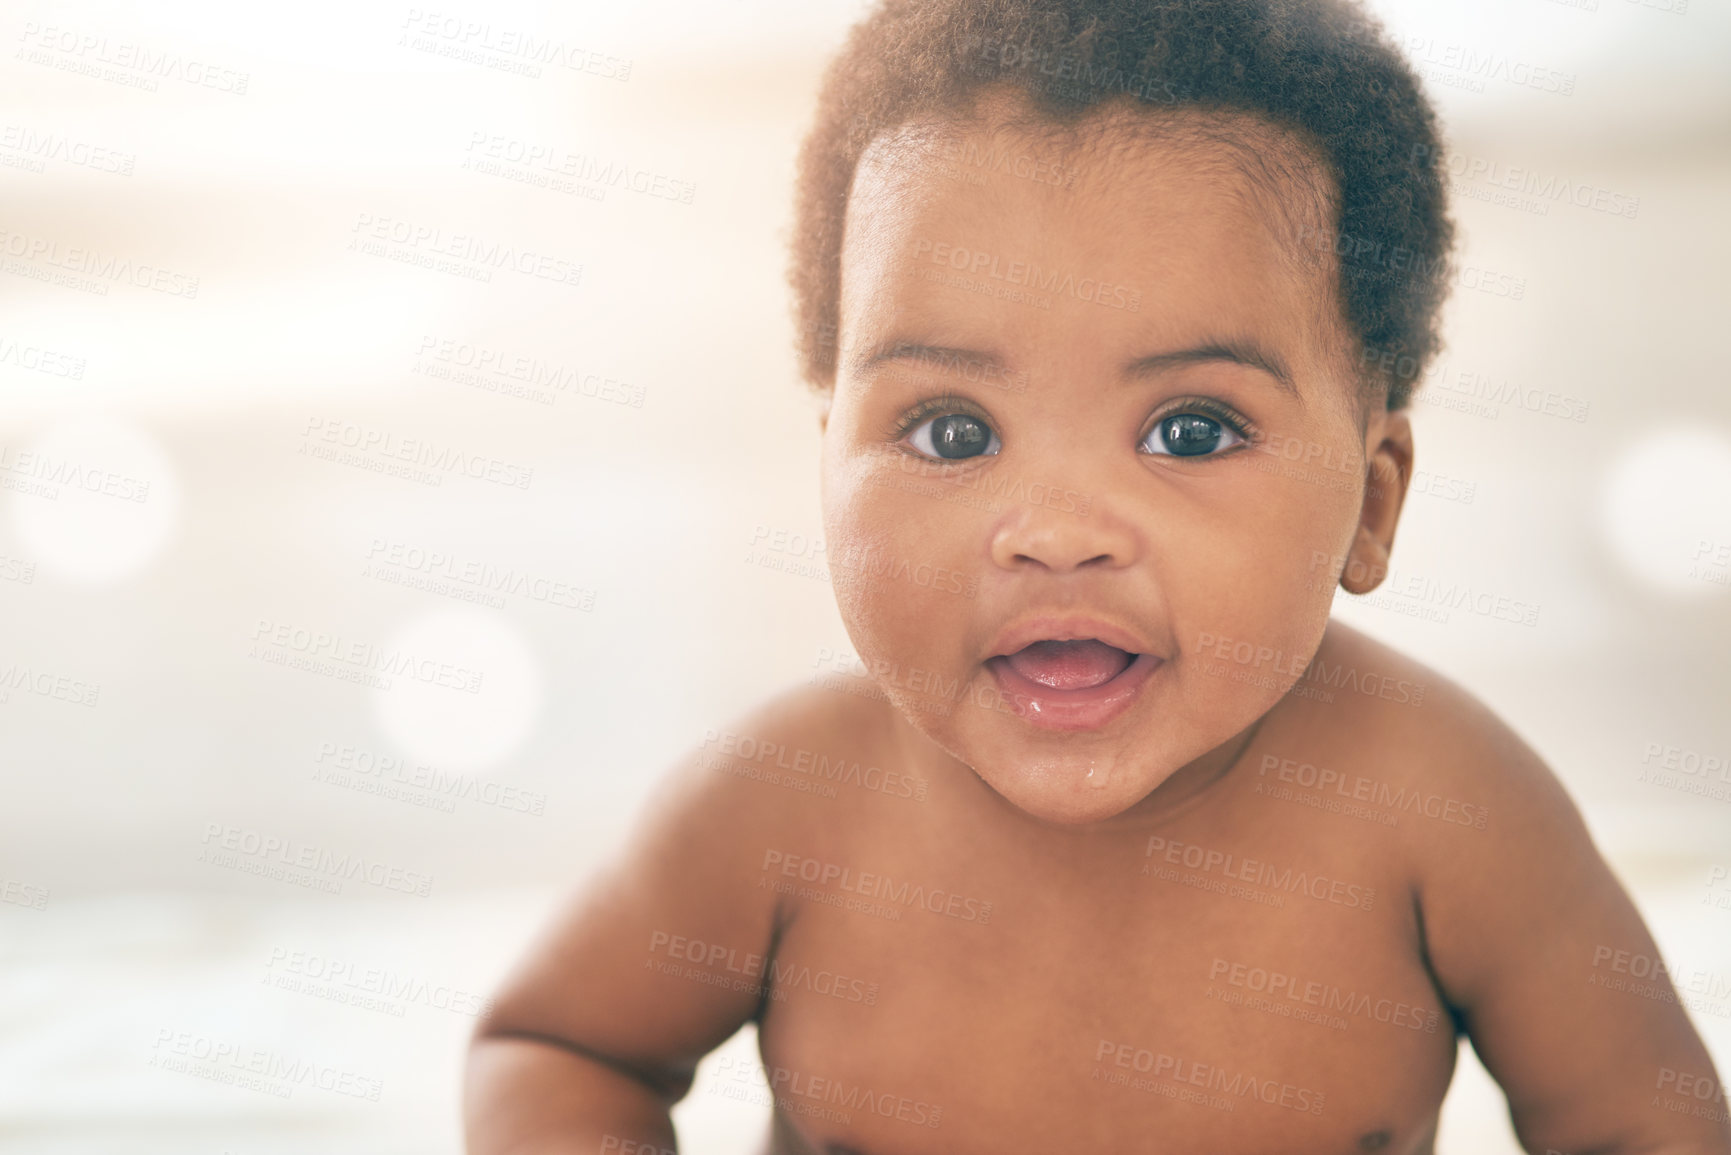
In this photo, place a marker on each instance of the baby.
(1109, 840)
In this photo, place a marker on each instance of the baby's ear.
(1389, 471)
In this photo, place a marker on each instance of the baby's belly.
(1154, 1013)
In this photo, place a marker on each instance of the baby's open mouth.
(1075, 664)
(1070, 678)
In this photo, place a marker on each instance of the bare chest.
(1205, 992)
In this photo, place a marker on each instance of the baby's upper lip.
(1065, 627)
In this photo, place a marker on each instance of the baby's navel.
(1373, 1141)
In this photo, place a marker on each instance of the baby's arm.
(588, 1045)
(1518, 920)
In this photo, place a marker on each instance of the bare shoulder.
(1494, 842)
(804, 759)
(1485, 825)
(624, 974)
(1518, 916)
(1425, 729)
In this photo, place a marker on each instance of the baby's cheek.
(1250, 625)
(902, 561)
(1290, 557)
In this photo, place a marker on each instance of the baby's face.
(1097, 401)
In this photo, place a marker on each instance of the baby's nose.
(1060, 531)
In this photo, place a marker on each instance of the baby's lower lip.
(1084, 709)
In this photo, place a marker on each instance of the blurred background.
(260, 266)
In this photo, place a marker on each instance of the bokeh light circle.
(1666, 510)
(471, 693)
(93, 501)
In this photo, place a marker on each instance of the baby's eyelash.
(1208, 407)
(932, 407)
(955, 403)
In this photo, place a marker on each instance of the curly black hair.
(1321, 70)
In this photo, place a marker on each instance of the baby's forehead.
(1232, 153)
(1198, 218)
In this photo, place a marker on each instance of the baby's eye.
(1190, 435)
(953, 436)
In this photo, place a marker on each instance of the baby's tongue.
(1073, 665)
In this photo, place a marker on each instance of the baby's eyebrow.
(1238, 352)
(941, 355)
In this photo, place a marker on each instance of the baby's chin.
(1079, 777)
(1070, 790)
(1085, 783)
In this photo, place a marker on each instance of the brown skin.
(1027, 1025)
